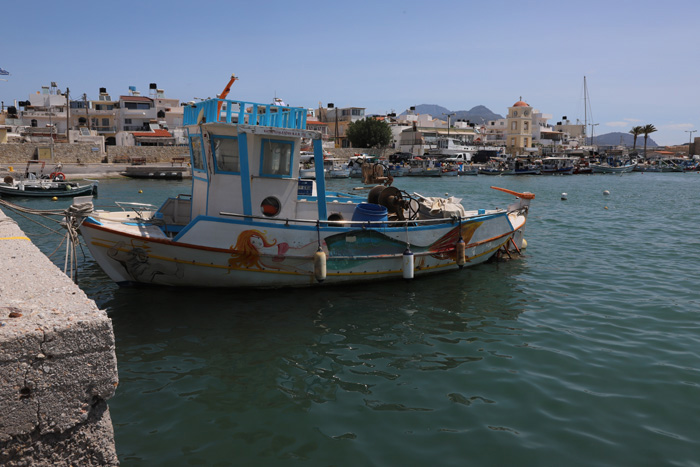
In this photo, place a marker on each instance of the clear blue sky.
(640, 57)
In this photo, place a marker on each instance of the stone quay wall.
(150, 154)
(84, 153)
(18, 153)
(58, 365)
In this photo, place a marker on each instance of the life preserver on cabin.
(57, 176)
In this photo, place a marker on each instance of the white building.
(136, 112)
(45, 112)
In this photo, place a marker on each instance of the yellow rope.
(14, 238)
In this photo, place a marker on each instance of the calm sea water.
(582, 352)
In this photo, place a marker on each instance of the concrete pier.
(57, 363)
(157, 172)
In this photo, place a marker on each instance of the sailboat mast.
(585, 110)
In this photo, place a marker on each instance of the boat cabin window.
(276, 158)
(196, 152)
(225, 149)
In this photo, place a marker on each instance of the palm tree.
(646, 130)
(636, 131)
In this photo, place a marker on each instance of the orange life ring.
(58, 176)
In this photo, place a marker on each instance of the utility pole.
(68, 115)
(448, 123)
(690, 143)
(87, 117)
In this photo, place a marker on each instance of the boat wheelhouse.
(251, 221)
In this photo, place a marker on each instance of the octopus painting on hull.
(136, 262)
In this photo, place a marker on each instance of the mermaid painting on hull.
(254, 251)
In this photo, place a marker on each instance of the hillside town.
(133, 119)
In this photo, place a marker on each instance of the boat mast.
(585, 110)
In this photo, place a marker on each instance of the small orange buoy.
(140, 191)
(54, 199)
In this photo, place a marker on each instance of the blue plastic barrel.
(370, 212)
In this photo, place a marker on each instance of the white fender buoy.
(320, 265)
(524, 244)
(564, 196)
(408, 263)
(606, 192)
(460, 249)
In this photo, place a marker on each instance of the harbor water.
(584, 351)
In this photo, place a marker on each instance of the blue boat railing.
(248, 113)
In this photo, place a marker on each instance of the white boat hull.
(210, 253)
(607, 169)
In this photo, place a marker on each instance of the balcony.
(143, 127)
(105, 129)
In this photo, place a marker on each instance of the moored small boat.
(46, 188)
(558, 165)
(606, 168)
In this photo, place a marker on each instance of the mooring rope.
(70, 219)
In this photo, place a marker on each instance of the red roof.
(157, 133)
(135, 98)
(521, 104)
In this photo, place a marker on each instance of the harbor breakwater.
(57, 363)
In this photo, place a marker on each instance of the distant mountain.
(478, 114)
(435, 111)
(613, 139)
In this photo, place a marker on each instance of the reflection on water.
(229, 360)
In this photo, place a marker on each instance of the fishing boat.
(522, 166)
(45, 188)
(607, 168)
(496, 166)
(397, 170)
(468, 169)
(450, 170)
(658, 166)
(558, 165)
(307, 171)
(250, 221)
(336, 168)
(420, 167)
